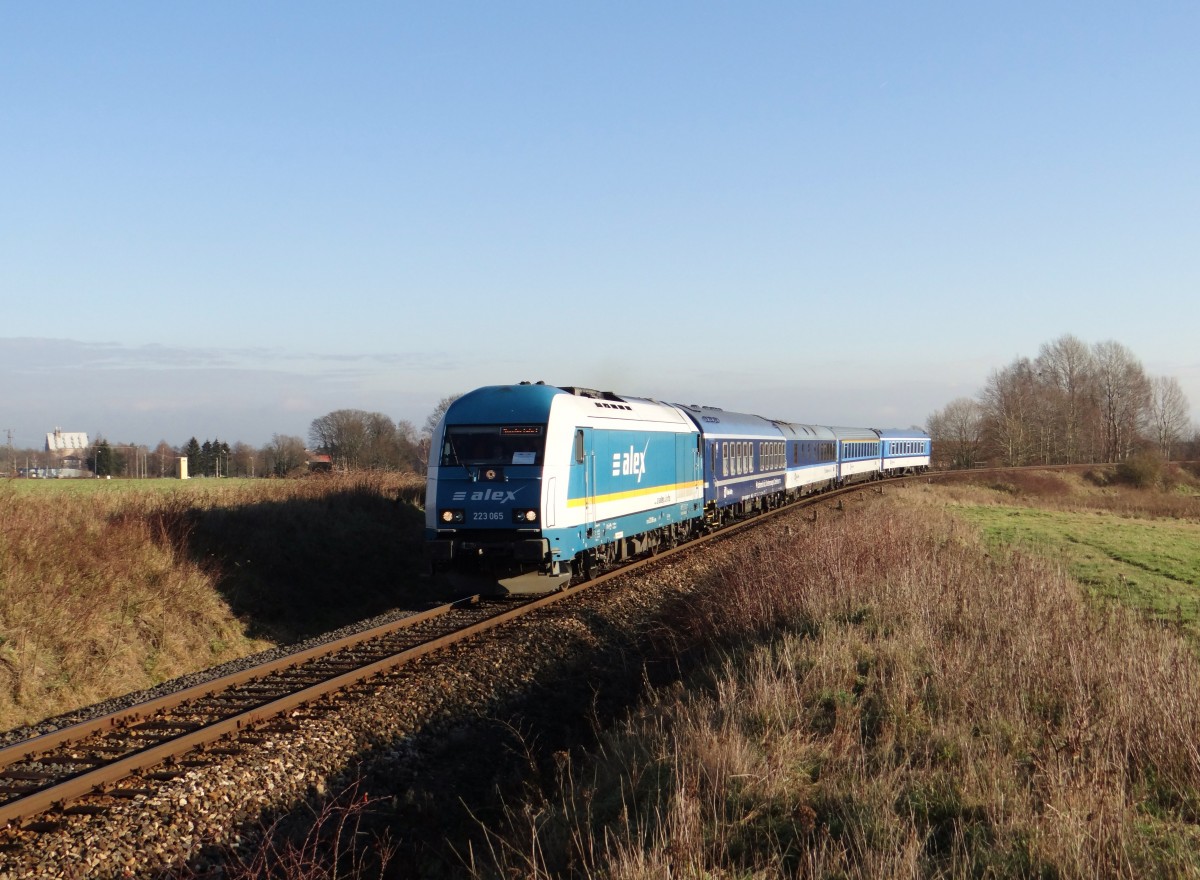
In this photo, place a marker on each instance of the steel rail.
(93, 781)
(30, 749)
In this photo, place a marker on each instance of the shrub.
(1144, 470)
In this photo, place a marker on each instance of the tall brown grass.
(109, 591)
(886, 699)
(1100, 490)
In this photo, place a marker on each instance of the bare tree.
(243, 460)
(1168, 413)
(162, 460)
(1009, 401)
(1066, 368)
(1123, 395)
(432, 421)
(283, 455)
(343, 434)
(957, 432)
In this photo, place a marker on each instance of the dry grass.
(111, 587)
(1100, 490)
(911, 705)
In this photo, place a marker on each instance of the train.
(531, 485)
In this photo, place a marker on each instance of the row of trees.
(352, 439)
(1073, 403)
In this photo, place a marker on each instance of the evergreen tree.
(192, 451)
(103, 462)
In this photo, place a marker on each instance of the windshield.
(471, 445)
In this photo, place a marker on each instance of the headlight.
(452, 516)
(525, 516)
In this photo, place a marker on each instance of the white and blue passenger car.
(530, 485)
(904, 451)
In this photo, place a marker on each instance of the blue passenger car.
(745, 461)
(811, 458)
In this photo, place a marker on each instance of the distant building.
(320, 463)
(66, 442)
(66, 452)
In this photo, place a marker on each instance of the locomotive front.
(483, 503)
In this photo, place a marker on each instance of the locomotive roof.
(504, 403)
(531, 402)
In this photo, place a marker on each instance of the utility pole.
(12, 462)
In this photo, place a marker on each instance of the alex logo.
(499, 495)
(627, 464)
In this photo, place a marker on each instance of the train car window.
(579, 447)
(467, 445)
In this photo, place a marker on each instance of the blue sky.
(226, 220)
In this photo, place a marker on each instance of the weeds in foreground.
(331, 844)
(911, 704)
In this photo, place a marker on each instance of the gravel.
(430, 744)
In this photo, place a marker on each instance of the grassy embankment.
(112, 586)
(931, 702)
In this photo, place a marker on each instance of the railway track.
(42, 777)
(71, 771)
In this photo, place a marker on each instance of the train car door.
(583, 479)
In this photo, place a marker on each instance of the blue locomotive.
(530, 485)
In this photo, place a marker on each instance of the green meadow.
(1152, 565)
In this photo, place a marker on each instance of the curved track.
(120, 754)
